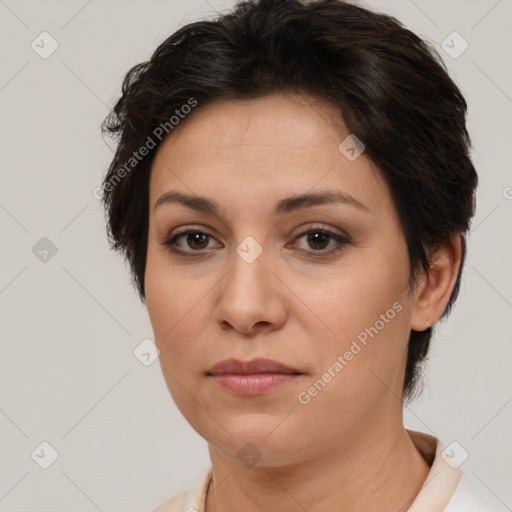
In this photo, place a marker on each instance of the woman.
(292, 189)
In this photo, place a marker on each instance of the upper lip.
(253, 366)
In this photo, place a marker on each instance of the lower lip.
(254, 384)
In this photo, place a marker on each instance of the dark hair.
(392, 89)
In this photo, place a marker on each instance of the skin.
(348, 443)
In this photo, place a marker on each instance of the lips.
(251, 378)
(255, 366)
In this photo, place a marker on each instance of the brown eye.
(318, 240)
(197, 240)
(188, 242)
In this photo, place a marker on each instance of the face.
(320, 286)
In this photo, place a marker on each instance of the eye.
(198, 241)
(319, 239)
(194, 238)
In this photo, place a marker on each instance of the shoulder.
(175, 504)
(467, 499)
(447, 487)
(189, 500)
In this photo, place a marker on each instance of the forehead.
(249, 125)
(260, 149)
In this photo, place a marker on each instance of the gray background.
(70, 324)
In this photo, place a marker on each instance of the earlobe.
(434, 291)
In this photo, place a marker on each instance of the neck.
(377, 471)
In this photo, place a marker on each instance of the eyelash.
(341, 242)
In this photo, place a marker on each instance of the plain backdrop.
(71, 321)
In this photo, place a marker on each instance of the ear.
(433, 292)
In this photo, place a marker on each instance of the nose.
(251, 297)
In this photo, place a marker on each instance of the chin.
(256, 440)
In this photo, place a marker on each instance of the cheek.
(355, 297)
(175, 310)
(180, 310)
(168, 295)
(171, 307)
(365, 311)
(358, 364)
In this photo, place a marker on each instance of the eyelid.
(341, 237)
(341, 240)
(170, 240)
(323, 228)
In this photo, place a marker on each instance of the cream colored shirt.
(445, 489)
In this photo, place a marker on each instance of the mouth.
(255, 384)
(254, 377)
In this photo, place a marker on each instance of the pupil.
(195, 236)
(315, 239)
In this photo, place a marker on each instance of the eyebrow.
(286, 205)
